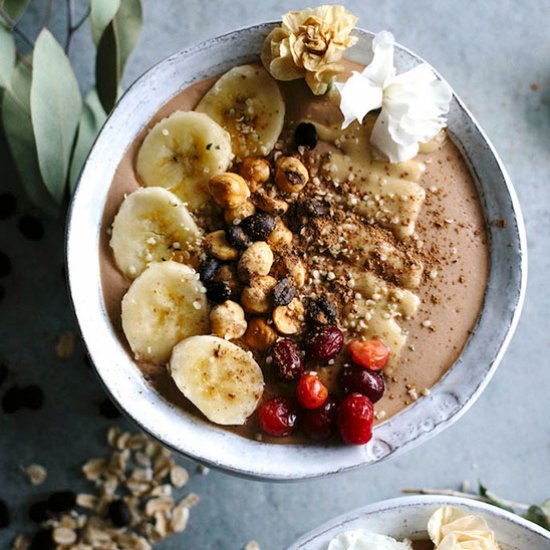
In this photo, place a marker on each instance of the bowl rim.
(279, 473)
(339, 522)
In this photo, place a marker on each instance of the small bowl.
(407, 517)
(189, 435)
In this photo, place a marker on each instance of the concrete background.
(497, 56)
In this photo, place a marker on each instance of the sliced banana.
(164, 305)
(152, 225)
(181, 153)
(218, 377)
(247, 102)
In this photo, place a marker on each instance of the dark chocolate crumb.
(8, 205)
(42, 540)
(62, 501)
(11, 402)
(5, 264)
(4, 515)
(31, 227)
(40, 511)
(4, 371)
(119, 513)
(32, 397)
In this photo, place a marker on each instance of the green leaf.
(14, 8)
(492, 499)
(107, 68)
(7, 56)
(17, 123)
(536, 515)
(546, 507)
(102, 13)
(93, 117)
(56, 106)
(128, 22)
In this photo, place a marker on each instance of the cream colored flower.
(309, 44)
(453, 529)
(413, 105)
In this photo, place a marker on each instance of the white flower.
(361, 539)
(413, 104)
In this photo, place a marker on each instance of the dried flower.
(309, 44)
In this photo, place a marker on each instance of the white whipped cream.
(361, 539)
(413, 104)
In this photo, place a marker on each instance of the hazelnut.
(228, 274)
(227, 320)
(255, 171)
(228, 190)
(216, 245)
(291, 175)
(256, 298)
(256, 260)
(289, 319)
(271, 205)
(280, 236)
(291, 266)
(259, 335)
(235, 215)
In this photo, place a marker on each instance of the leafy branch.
(537, 513)
(49, 127)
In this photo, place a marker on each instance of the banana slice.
(218, 377)
(164, 305)
(247, 102)
(152, 225)
(181, 153)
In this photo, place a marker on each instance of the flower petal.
(381, 69)
(382, 138)
(358, 96)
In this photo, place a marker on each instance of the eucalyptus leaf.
(546, 507)
(107, 68)
(14, 8)
(536, 515)
(91, 121)
(16, 119)
(102, 13)
(7, 56)
(492, 499)
(56, 106)
(128, 22)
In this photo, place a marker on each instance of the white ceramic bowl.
(195, 438)
(408, 517)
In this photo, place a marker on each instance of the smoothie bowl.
(260, 252)
(426, 523)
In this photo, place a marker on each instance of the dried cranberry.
(372, 354)
(43, 540)
(62, 501)
(109, 410)
(324, 342)
(287, 359)
(40, 512)
(320, 424)
(209, 268)
(4, 515)
(258, 226)
(283, 292)
(12, 400)
(321, 311)
(119, 513)
(31, 228)
(311, 392)
(277, 416)
(235, 236)
(355, 419)
(306, 134)
(218, 291)
(8, 205)
(354, 378)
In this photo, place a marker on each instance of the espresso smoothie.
(412, 232)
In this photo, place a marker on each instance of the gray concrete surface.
(492, 52)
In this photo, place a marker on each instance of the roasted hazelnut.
(256, 298)
(259, 335)
(236, 237)
(216, 245)
(228, 190)
(259, 226)
(291, 266)
(280, 236)
(271, 205)
(255, 261)
(255, 170)
(236, 215)
(289, 319)
(227, 320)
(228, 274)
(291, 175)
